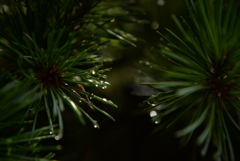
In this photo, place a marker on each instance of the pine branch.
(202, 78)
(52, 55)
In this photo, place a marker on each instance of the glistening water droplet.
(93, 72)
(153, 114)
(58, 137)
(157, 119)
(90, 80)
(95, 124)
(50, 132)
(104, 87)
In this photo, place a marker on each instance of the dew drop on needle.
(153, 114)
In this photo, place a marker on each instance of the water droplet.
(157, 119)
(90, 80)
(160, 2)
(77, 78)
(155, 25)
(50, 132)
(104, 99)
(157, 122)
(153, 114)
(95, 124)
(153, 104)
(93, 72)
(58, 137)
(96, 85)
(107, 83)
(80, 101)
(65, 84)
(104, 87)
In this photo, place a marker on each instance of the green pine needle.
(202, 78)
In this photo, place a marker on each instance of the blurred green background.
(133, 136)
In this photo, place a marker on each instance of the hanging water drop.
(50, 132)
(65, 84)
(93, 72)
(58, 137)
(104, 87)
(157, 119)
(157, 122)
(153, 114)
(95, 124)
(91, 95)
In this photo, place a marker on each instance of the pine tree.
(50, 54)
(200, 82)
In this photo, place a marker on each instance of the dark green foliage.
(201, 80)
(50, 54)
